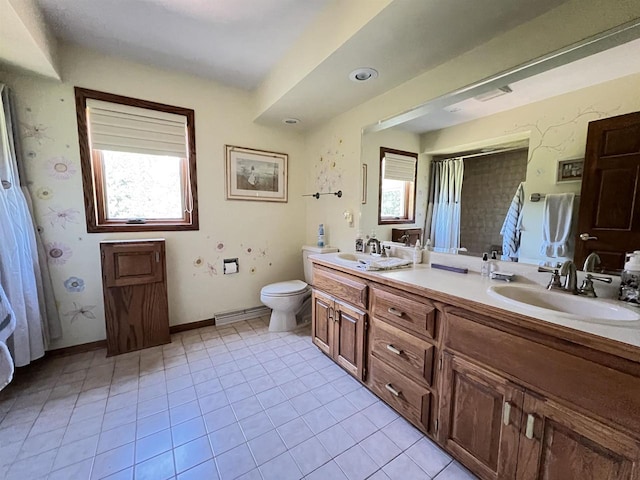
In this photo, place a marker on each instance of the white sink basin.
(564, 304)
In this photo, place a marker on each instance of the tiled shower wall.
(488, 186)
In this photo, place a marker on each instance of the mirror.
(526, 126)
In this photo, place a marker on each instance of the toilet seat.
(284, 289)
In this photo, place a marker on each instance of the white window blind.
(399, 167)
(124, 128)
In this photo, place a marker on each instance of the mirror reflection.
(501, 170)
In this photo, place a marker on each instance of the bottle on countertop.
(321, 235)
(485, 267)
(630, 279)
(417, 253)
(493, 263)
(359, 242)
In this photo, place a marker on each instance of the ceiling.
(598, 68)
(241, 43)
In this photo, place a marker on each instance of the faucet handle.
(600, 279)
(587, 285)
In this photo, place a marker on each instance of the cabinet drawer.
(408, 354)
(408, 398)
(343, 286)
(403, 311)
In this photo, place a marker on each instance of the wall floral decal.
(44, 193)
(219, 246)
(74, 284)
(327, 168)
(211, 269)
(61, 168)
(81, 311)
(58, 253)
(37, 131)
(62, 217)
(198, 262)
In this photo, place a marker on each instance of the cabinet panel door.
(132, 263)
(349, 339)
(322, 322)
(560, 444)
(480, 418)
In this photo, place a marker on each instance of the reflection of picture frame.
(255, 174)
(570, 170)
(364, 183)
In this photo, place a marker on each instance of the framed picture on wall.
(570, 170)
(255, 174)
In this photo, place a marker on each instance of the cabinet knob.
(395, 312)
(531, 422)
(393, 391)
(393, 349)
(506, 413)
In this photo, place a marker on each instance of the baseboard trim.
(97, 345)
(182, 327)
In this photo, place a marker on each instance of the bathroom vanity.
(506, 392)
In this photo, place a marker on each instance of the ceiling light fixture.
(491, 94)
(363, 74)
(290, 121)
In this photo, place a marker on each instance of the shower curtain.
(23, 269)
(442, 224)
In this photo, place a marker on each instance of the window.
(138, 164)
(397, 186)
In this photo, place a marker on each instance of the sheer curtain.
(21, 256)
(443, 210)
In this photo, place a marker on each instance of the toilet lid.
(285, 288)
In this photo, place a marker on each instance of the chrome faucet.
(591, 262)
(374, 243)
(568, 271)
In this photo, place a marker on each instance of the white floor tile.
(152, 445)
(403, 467)
(356, 464)
(226, 438)
(266, 446)
(192, 453)
(156, 468)
(283, 467)
(235, 462)
(310, 455)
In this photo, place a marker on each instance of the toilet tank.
(308, 266)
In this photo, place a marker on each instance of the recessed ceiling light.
(363, 74)
(290, 121)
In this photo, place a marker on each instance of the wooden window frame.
(410, 194)
(91, 165)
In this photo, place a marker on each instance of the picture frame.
(364, 184)
(570, 170)
(255, 175)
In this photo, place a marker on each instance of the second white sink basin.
(564, 304)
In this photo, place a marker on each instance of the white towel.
(384, 264)
(512, 226)
(6, 366)
(556, 224)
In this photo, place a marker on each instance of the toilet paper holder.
(230, 265)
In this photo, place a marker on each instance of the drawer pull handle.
(395, 312)
(393, 349)
(395, 392)
(531, 421)
(506, 413)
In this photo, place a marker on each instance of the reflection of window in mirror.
(397, 186)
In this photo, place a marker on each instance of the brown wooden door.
(322, 321)
(558, 443)
(480, 416)
(348, 345)
(610, 196)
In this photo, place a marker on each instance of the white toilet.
(291, 300)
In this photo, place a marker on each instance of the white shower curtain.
(447, 189)
(20, 273)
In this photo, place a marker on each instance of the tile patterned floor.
(217, 403)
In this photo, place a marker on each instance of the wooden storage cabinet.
(135, 294)
(338, 328)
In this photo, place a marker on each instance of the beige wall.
(272, 231)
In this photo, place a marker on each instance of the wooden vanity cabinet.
(337, 327)
(514, 408)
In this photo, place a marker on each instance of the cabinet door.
(558, 443)
(322, 321)
(135, 263)
(348, 345)
(480, 418)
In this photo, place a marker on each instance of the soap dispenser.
(485, 268)
(417, 253)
